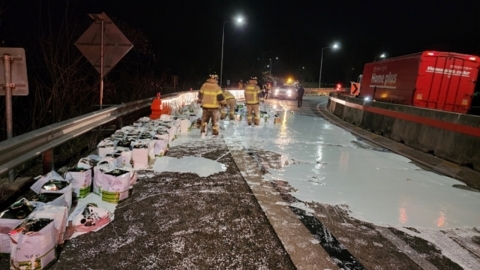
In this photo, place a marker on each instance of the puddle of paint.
(199, 165)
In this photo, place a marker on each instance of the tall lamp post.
(271, 64)
(334, 46)
(238, 20)
(263, 60)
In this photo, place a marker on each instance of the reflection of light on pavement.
(344, 156)
(403, 218)
(319, 153)
(283, 105)
(283, 137)
(441, 220)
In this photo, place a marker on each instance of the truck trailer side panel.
(392, 80)
(446, 81)
(437, 80)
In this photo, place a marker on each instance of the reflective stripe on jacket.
(211, 95)
(228, 95)
(252, 93)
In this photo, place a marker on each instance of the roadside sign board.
(18, 69)
(115, 44)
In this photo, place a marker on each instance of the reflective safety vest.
(210, 94)
(228, 95)
(251, 94)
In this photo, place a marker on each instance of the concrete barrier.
(319, 91)
(451, 136)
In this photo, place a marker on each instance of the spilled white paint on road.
(199, 165)
(329, 165)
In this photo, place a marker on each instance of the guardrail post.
(47, 157)
(119, 122)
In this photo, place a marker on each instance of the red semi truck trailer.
(437, 80)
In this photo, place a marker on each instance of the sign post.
(103, 44)
(14, 82)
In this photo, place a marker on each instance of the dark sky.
(189, 33)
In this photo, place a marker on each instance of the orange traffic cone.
(156, 107)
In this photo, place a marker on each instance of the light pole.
(276, 58)
(334, 46)
(238, 20)
(263, 59)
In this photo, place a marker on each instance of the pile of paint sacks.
(84, 198)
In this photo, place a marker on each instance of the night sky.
(189, 33)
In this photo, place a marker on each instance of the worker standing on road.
(253, 96)
(240, 84)
(231, 104)
(300, 92)
(211, 97)
(267, 90)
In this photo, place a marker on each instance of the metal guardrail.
(20, 149)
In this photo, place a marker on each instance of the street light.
(238, 20)
(334, 46)
(383, 55)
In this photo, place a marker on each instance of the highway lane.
(349, 184)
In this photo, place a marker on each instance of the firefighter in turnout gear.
(253, 96)
(231, 104)
(211, 97)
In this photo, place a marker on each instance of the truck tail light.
(431, 54)
(472, 58)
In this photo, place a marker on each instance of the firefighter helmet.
(214, 76)
(253, 77)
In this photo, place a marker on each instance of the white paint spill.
(328, 166)
(331, 166)
(199, 165)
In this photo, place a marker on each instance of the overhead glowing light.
(367, 98)
(289, 80)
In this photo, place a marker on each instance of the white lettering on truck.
(377, 78)
(384, 79)
(447, 71)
